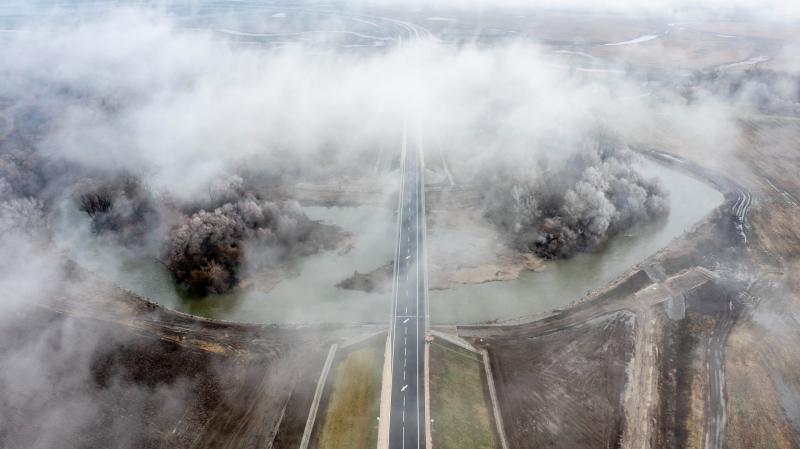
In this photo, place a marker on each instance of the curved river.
(310, 296)
(564, 281)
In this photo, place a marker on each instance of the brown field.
(111, 361)
(563, 388)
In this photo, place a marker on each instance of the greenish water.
(311, 296)
(565, 281)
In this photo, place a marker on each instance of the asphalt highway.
(407, 416)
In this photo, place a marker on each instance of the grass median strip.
(460, 411)
(350, 420)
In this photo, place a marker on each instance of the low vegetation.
(350, 418)
(459, 408)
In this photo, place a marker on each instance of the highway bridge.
(409, 317)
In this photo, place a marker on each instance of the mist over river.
(564, 281)
(310, 295)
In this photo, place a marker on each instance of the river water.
(311, 296)
(565, 281)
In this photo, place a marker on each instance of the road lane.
(409, 323)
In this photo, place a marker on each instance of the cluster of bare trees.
(121, 206)
(205, 251)
(576, 205)
(767, 90)
(20, 173)
(23, 215)
(21, 183)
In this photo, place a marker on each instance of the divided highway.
(409, 310)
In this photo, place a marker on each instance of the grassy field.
(350, 418)
(459, 408)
